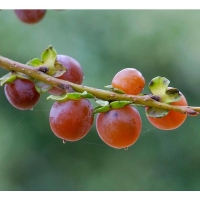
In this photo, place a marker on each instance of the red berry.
(173, 119)
(73, 74)
(71, 120)
(119, 128)
(30, 16)
(22, 94)
(129, 80)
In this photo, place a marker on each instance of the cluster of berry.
(71, 118)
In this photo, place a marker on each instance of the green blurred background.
(156, 42)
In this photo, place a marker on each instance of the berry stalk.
(39, 74)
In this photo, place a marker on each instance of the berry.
(119, 128)
(129, 80)
(173, 119)
(73, 74)
(71, 120)
(30, 16)
(22, 94)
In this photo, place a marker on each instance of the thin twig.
(39, 74)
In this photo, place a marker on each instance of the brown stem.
(39, 74)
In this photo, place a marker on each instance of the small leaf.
(70, 96)
(73, 96)
(23, 76)
(12, 76)
(156, 112)
(36, 62)
(58, 70)
(119, 104)
(55, 97)
(49, 55)
(48, 60)
(109, 86)
(160, 90)
(67, 96)
(158, 85)
(172, 95)
(116, 90)
(85, 94)
(105, 106)
(8, 78)
(60, 98)
(102, 102)
(42, 87)
(100, 109)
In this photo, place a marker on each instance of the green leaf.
(156, 112)
(160, 90)
(55, 98)
(49, 56)
(73, 96)
(158, 85)
(49, 60)
(102, 102)
(100, 109)
(116, 90)
(12, 76)
(104, 106)
(36, 62)
(42, 87)
(22, 76)
(119, 104)
(172, 95)
(85, 94)
(109, 87)
(8, 78)
(58, 70)
(64, 97)
(70, 96)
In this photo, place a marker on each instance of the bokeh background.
(157, 43)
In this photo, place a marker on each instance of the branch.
(39, 74)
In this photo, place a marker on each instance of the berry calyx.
(119, 128)
(173, 119)
(161, 118)
(74, 72)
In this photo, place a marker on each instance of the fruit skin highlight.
(22, 94)
(71, 120)
(119, 128)
(129, 80)
(173, 119)
(73, 74)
